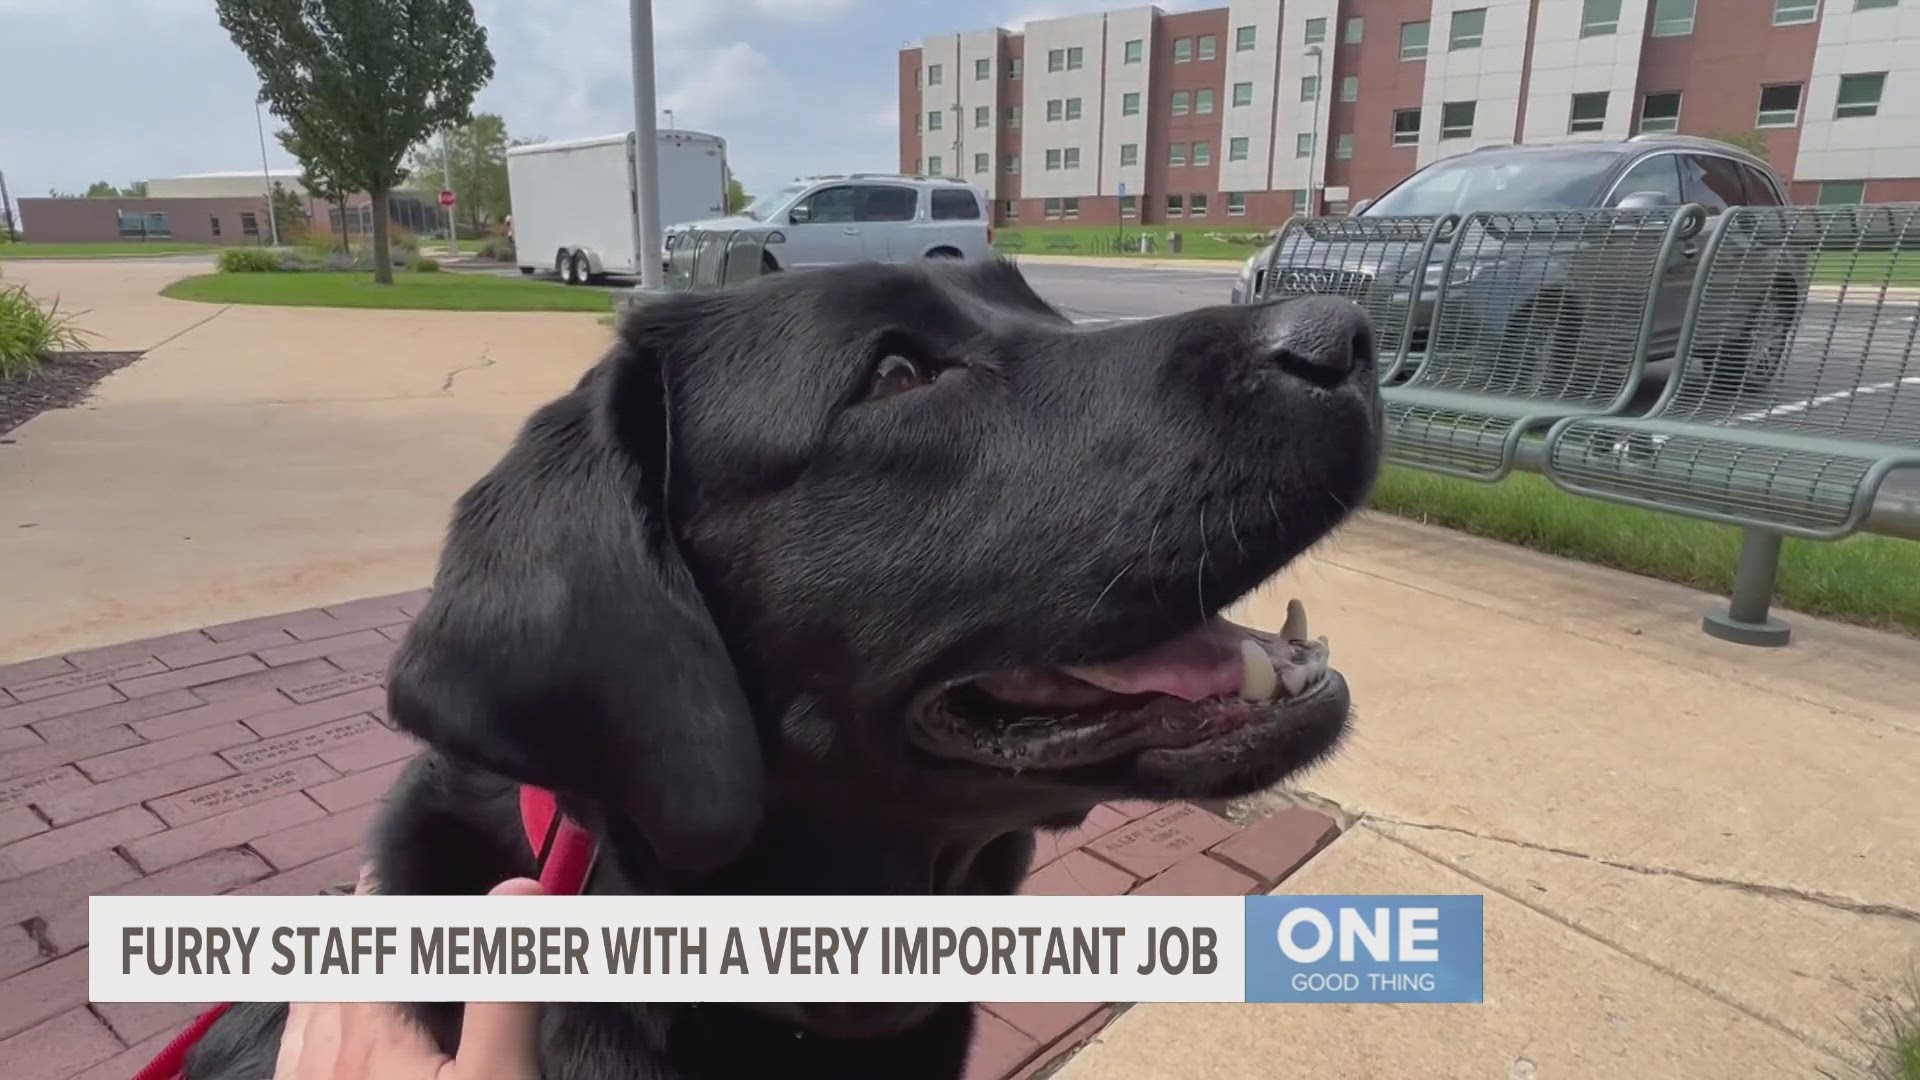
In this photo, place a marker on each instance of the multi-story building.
(1233, 114)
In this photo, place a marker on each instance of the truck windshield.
(759, 208)
(1533, 181)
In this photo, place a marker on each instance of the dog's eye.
(896, 374)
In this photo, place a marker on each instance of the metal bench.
(1792, 399)
(1537, 316)
(746, 257)
(1364, 260)
(1058, 242)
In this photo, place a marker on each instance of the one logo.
(1366, 949)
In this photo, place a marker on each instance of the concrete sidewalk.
(1700, 860)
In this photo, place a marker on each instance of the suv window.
(1760, 190)
(1530, 180)
(829, 204)
(955, 206)
(888, 203)
(1660, 173)
(1713, 182)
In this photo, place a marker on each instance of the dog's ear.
(565, 643)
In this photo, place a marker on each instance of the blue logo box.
(1366, 949)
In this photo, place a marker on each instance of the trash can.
(1173, 243)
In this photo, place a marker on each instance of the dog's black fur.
(702, 592)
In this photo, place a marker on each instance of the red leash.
(562, 849)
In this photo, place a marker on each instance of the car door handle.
(852, 232)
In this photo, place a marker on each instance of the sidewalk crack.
(486, 361)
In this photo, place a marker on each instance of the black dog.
(844, 582)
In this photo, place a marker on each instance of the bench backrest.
(1361, 259)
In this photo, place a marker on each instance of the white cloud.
(720, 84)
(803, 10)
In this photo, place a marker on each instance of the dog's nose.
(1323, 340)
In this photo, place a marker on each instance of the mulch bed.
(62, 381)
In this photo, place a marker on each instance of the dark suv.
(1647, 171)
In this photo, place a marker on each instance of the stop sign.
(446, 197)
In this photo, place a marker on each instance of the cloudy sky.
(123, 90)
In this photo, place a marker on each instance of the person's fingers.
(499, 1040)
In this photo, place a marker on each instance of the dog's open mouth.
(1219, 691)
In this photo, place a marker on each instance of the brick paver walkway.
(250, 757)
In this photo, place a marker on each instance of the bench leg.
(1746, 621)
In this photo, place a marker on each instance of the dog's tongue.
(1201, 664)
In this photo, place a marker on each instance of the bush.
(499, 249)
(251, 261)
(421, 264)
(29, 331)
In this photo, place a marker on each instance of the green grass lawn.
(1869, 580)
(1197, 241)
(1866, 268)
(117, 249)
(432, 291)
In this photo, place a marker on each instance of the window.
(1468, 28)
(980, 163)
(1131, 52)
(1073, 108)
(982, 116)
(1859, 95)
(1760, 189)
(1237, 149)
(1299, 197)
(1413, 39)
(1356, 27)
(1842, 192)
(1177, 154)
(1316, 31)
(1779, 106)
(1203, 102)
(1179, 103)
(1130, 104)
(1456, 119)
(1350, 88)
(1129, 155)
(1052, 209)
(1182, 50)
(1242, 94)
(917, 123)
(1209, 47)
(1303, 144)
(213, 222)
(916, 78)
(1070, 208)
(1012, 210)
(1589, 112)
(933, 75)
(1243, 39)
(884, 202)
(1011, 164)
(1872, 5)
(1076, 57)
(1056, 59)
(1053, 160)
(1013, 116)
(1072, 154)
(249, 223)
(1659, 174)
(919, 167)
(1599, 18)
(934, 120)
(933, 165)
(1792, 12)
(1129, 206)
(1660, 112)
(1055, 109)
(1196, 206)
(1406, 127)
(1236, 204)
(835, 204)
(1176, 206)
(1672, 18)
(1713, 182)
(957, 205)
(1203, 153)
(1310, 88)
(982, 69)
(1014, 68)
(1343, 146)
(157, 223)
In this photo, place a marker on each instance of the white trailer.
(576, 204)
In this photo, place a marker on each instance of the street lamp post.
(266, 174)
(670, 124)
(446, 169)
(646, 135)
(1313, 147)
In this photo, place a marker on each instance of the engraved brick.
(84, 678)
(198, 675)
(346, 618)
(315, 877)
(367, 657)
(344, 683)
(164, 751)
(238, 707)
(134, 788)
(34, 710)
(282, 721)
(303, 743)
(260, 624)
(234, 792)
(1077, 874)
(59, 1047)
(56, 846)
(145, 648)
(377, 747)
(27, 671)
(18, 951)
(281, 678)
(358, 789)
(206, 650)
(1276, 847)
(1147, 846)
(127, 712)
(18, 824)
(345, 831)
(63, 885)
(1198, 875)
(18, 738)
(1048, 845)
(33, 759)
(235, 827)
(307, 650)
(209, 875)
(394, 604)
(31, 788)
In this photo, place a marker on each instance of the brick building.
(210, 208)
(1232, 114)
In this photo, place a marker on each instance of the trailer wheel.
(582, 269)
(563, 266)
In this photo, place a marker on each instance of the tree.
(289, 211)
(1753, 142)
(737, 197)
(135, 190)
(361, 82)
(477, 151)
(100, 189)
(319, 180)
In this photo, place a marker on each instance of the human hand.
(372, 1041)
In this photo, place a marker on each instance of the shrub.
(29, 331)
(499, 249)
(421, 264)
(250, 260)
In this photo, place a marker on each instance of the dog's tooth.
(1257, 677)
(1295, 677)
(1295, 628)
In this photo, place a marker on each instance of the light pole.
(670, 124)
(646, 135)
(446, 169)
(1313, 147)
(266, 174)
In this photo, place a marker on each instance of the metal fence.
(1792, 334)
